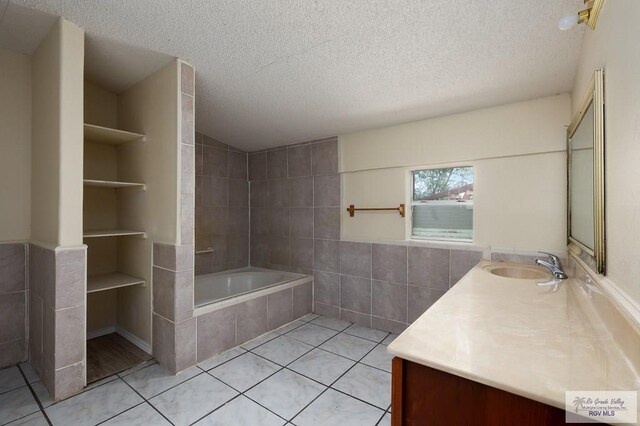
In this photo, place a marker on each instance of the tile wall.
(295, 201)
(57, 288)
(222, 206)
(13, 303)
(295, 204)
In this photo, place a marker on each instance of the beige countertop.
(528, 340)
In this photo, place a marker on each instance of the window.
(442, 204)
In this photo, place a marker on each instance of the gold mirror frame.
(595, 95)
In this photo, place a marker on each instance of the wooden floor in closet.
(111, 354)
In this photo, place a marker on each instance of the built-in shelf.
(113, 233)
(109, 136)
(113, 184)
(110, 281)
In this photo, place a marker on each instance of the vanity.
(500, 349)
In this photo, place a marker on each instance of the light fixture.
(588, 16)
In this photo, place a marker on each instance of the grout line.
(35, 397)
(147, 401)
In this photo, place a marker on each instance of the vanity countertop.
(525, 339)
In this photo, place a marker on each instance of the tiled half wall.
(57, 288)
(13, 303)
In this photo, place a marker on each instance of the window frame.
(410, 203)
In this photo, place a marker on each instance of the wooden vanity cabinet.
(425, 396)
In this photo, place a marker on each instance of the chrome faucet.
(552, 264)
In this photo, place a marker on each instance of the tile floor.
(313, 371)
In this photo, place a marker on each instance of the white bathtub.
(226, 285)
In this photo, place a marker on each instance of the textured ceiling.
(277, 72)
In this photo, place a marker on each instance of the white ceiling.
(277, 72)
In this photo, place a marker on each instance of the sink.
(520, 272)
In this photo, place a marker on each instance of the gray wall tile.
(389, 263)
(279, 250)
(355, 259)
(327, 310)
(238, 165)
(70, 339)
(185, 341)
(213, 143)
(326, 255)
(302, 253)
(238, 193)
(279, 308)
(187, 135)
(301, 222)
(215, 162)
(279, 222)
(326, 288)
(301, 192)
(259, 193)
(187, 159)
(358, 318)
(238, 222)
(216, 332)
(164, 342)
(216, 192)
(70, 287)
(421, 299)
(302, 300)
(12, 267)
(13, 352)
(462, 261)
(389, 301)
(277, 164)
(429, 267)
(187, 78)
(12, 316)
(388, 325)
(355, 294)
(299, 161)
(324, 158)
(326, 191)
(279, 193)
(258, 166)
(252, 319)
(326, 223)
(259, 221)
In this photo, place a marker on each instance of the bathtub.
(236, 306)
(219, 286)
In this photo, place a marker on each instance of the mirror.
(585, 153)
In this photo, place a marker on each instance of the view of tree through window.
(442, 205)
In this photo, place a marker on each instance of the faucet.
(553, 265)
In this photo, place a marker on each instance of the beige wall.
(15, 146)
(614, 47)
(151, 108)
(518, 154)
(57, 147)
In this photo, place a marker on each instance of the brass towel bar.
(352, 209)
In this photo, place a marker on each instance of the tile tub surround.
(231, 322)
(279, 379)
(13, 303)
(222, 206)
(57, 288)
(295, 204)
(570, 338)
(174, 325)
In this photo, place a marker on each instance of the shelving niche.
(118, 252)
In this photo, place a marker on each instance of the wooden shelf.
(113, 233)
(113, 184)
(110, 281)
(109, 136)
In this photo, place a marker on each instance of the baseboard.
(134, 339)
(101, 332)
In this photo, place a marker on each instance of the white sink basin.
(521, 272)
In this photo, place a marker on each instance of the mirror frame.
(595, 95)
